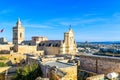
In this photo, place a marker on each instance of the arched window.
(14, 58)
(50, 44)
(39, 44)
(20, 35)
(29, 44)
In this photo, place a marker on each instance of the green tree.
(28, 72)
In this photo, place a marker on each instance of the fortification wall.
(5, 47)
(28, 49)
(102, 65)
(13, 57)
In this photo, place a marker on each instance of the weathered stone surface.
(71, 73)
(102, 65)
(98, 77)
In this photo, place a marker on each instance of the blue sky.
(91, 20)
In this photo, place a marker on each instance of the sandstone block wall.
(50, 50)
(5, 47)
(101, 65)
(71, 73)
(98, 77)
(13, 57)
(29, 49)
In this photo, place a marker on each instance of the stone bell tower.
(18, 33)
(69, 37)
(69, 42)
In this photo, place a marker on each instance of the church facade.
(66, 46)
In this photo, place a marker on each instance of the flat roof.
(59, 64)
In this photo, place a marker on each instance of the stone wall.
(5, 55)
(50, 50)
(100, 64)
(17, 58)
(3, 72)
(2, 76)
(28, 49)
(98, 77)
(71, 73)
(13, 57)
(3, 69)
(5, 47)
(32, 60)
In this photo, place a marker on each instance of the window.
(20, 35)
(56, 45)
(43, 44)
(34, 39)
(50, 44)
(14, 58)
(29, 44)
(39, 44)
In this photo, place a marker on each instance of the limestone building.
(38, 39)
(41, 43)
(55, 67)
(18, 33)
(3, 40)
(56, 70)
(66, 46)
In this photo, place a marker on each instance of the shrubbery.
(2, 64)
(3, 58)
(28, 72)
